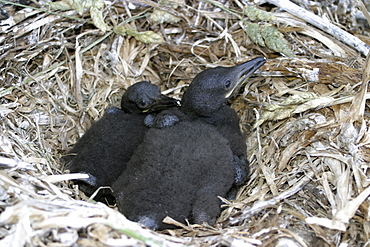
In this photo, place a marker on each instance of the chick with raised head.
(187, 158)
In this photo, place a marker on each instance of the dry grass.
(306, 120)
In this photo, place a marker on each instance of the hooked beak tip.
(245, 70)
(249, 67)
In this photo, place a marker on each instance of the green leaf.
(59, 5)
(257, 14)
(145, 37)
(97, 18)
(275, 40)
(160, 16)
(253, 31)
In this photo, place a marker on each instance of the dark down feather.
(106, 147)
(191, 154)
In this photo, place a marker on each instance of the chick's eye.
(142, 103)
(227, 84)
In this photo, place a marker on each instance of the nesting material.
(309, 182)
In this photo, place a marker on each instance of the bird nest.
(304, 114)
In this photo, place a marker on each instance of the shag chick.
(187, 159)
(106, 147)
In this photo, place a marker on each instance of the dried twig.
(260, 205)
(323, 24)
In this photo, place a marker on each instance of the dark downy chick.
(106, 147)
(171, 170)
(179, 171)
(225, 119)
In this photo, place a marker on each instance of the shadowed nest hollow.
(304, 113)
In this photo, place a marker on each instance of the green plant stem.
(223, 7)
(137, 236)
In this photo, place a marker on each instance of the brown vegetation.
(306, 118)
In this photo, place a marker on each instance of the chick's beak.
(244, 70)
(162, 103)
